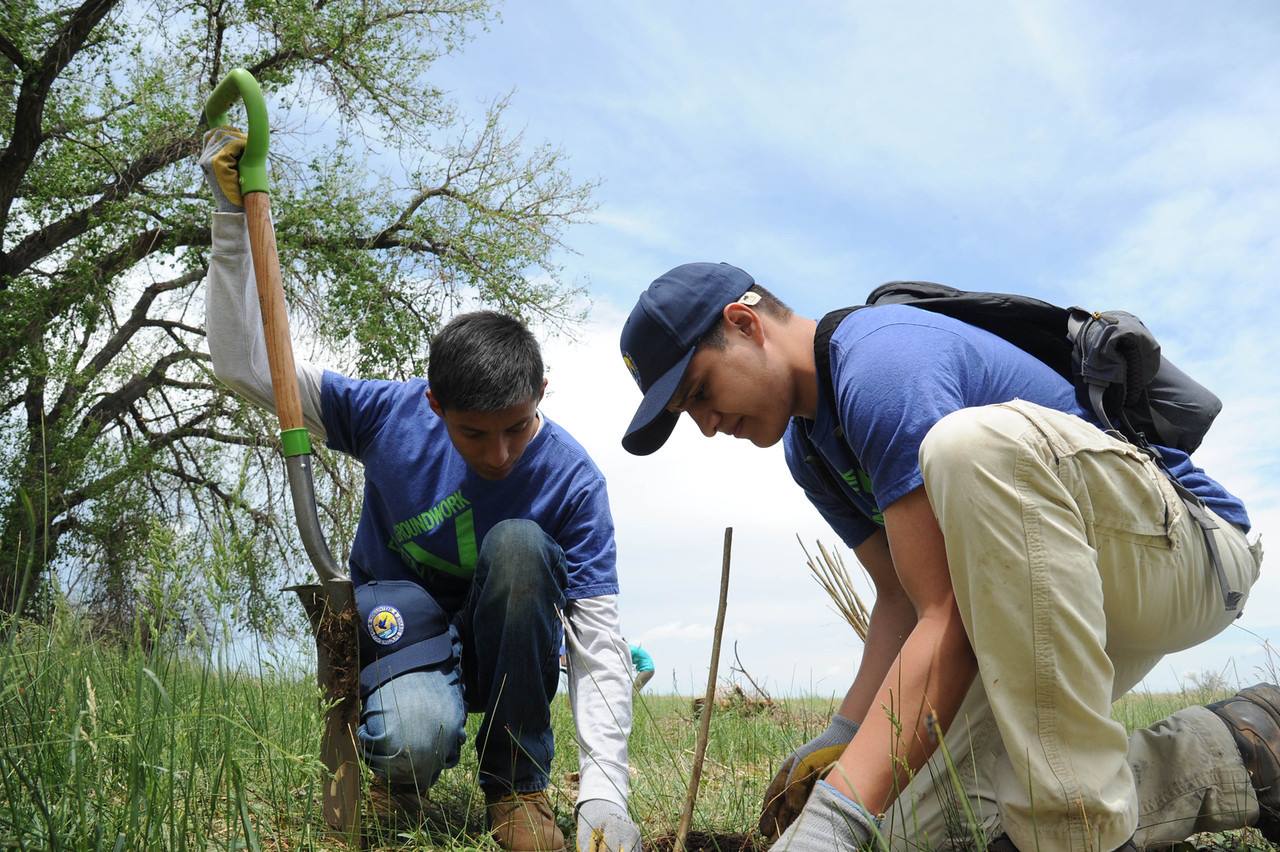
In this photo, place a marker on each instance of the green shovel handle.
(239, 84)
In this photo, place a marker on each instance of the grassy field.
(102, 748)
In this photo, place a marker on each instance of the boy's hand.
(830, 822)
(790, 788)
(222, 149)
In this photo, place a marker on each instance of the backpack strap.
(822, 359)
(1200, 514)
(1196, 508)
(822, 347)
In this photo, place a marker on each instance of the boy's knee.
(409, 743)
(514, 540)
(518, 557)
(418, 759)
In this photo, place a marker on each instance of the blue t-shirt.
(426, 513)
(896, 370)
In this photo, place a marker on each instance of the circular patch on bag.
(386, 625)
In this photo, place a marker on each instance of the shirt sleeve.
(355, 410)
(586, 536)
(892, 385)
(851, 525)
(600, 697)
(233, 325)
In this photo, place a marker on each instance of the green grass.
(109, 748)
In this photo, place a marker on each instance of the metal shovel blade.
(338, 672)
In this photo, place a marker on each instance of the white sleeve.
(233, 325)
(600, 697)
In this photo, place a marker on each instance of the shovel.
(330, 605)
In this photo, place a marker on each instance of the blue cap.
(401, 629)
(659, 337)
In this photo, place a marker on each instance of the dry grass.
(829, 570)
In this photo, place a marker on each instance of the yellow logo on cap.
(386, 625)
(631, 366)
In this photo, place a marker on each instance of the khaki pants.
(1076, 568)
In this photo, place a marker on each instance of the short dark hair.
(484, 361)
(768, 304)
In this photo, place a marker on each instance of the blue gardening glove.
(222, 149)
(789, 789)
(604, 826)
(830, 822)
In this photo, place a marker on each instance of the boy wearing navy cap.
(1029, 569)
(485, 527)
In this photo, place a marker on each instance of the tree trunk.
(28, 541)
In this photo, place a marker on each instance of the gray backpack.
(1110, 357)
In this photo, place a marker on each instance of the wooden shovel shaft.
(275, 318)
(331, 605)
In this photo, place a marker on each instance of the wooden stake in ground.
(704, 731)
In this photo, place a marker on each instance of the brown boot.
(1253, 716)
(523, 822)
(400, 807)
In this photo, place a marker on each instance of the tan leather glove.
(219, 159)
(787, 793)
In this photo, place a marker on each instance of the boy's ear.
(743, 319)
(542, 393)
(434, 403)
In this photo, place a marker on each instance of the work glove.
(829, 822)
(604, 826)
(789, 789)
(219, 159)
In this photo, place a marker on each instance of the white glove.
(830, 822)
(606, 827)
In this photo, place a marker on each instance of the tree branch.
(55, 301)
(39, 244)
(114, 404)
(137, 319)
(203, 387)
(28, 113)
(10, 51)
(173, 325)
(153, 442)
(64, 128)
(212, 487)
(412, 207)
(219, 436)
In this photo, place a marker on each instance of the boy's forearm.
(919, 697)
(892, 619)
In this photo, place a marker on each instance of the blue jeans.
(413, 726)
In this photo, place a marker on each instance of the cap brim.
(419, 655)
(653, 423)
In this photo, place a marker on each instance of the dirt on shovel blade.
(337, 652)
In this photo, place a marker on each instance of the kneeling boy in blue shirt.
(482, 523)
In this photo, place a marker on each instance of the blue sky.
(1110, 155)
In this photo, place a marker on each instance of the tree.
(111, 423)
